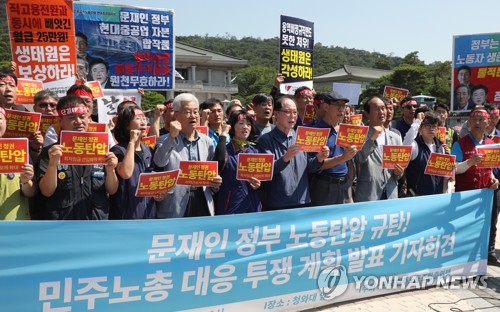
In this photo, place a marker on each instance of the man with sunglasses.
(408, 108)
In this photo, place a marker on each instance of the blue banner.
(260, 261)
(136, 45)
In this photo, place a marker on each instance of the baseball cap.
(335, 96)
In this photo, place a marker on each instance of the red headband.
(304, 92)
(2, 111)
(409, 102)
(73, 110)
(480, 113)
(8, 78)
(81, 92)
(138, 112)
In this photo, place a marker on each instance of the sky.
(390, 27)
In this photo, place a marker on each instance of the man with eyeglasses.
(331, 184)
(289, 187)
(184, 142)
(303, 96)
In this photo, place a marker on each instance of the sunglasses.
(411, 106)
(46, 104)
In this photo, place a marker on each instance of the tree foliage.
(150, 99)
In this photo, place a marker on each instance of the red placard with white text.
(259, 166)
(393, 92)
(26, 90)
(97, 127)
(84, 148)
(202, 129)
(46, 121)
(441, 165)
(96, 88)
(149, 141)
(154, 183)
(395, 155)
(491, 155)
(351, 135)
(441, 134)
(13, 154)
(311, 139)
(356, 119)
(21, 124)
(197, 173)
(308, 114)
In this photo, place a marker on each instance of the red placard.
(441, 134)
(356, 119)
(96, 88)
(311, 139)
(496, 138)
(393, 92)
(46, 121)
(441, 165)
(197, 173)
(21, 124)
(84, 148)
(13, 154)
(151, 184)
(97, 127)
(491, 155)
(259, 166)
(351, 135)
(395, 155)
(26, 90)
(149, 141)
(202, 129)
(308, 114)
(42, 37)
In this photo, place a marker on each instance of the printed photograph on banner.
(21, 124)
(26, 90)
(351, 135)
(126, 47)
(441, 165)
(13, 154)
(259, 166)
(84, 148)
(491, 155)
(149, 141)
(476, 71)
(395, 155)
(154, 183)
(311, 139)
(42, 41)
(393, 92)
(296, 53)
(197, 173)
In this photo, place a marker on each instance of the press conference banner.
(137, 44)
(262, 261)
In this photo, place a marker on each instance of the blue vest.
(418, 181)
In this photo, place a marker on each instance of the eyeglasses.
(411, 106)
(289, 112)
(430, 127)
(189, 112)
(46, 104)
(307, 98)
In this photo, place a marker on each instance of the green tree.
(254, 80)
(150, 99)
